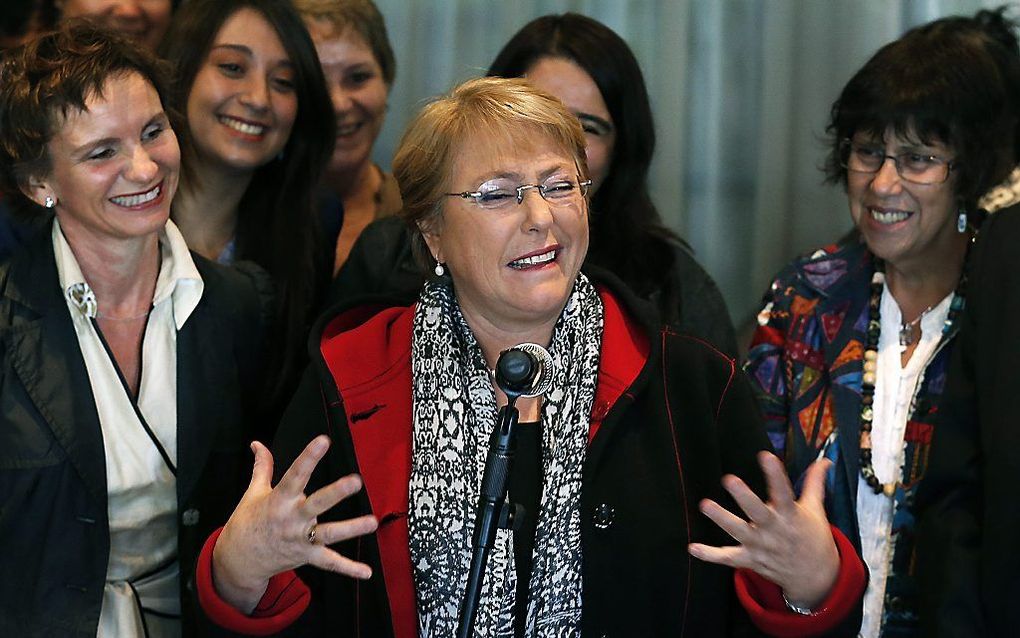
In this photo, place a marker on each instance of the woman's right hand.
(270, 531)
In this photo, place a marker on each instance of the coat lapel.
(45, 356)
(205, 362)
(842, 313)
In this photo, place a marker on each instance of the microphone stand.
(493, 510)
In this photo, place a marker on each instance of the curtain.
(740, 90)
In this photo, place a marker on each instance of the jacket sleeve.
(288, 605)
(285, 600)
(763, 600)
(739, 428)
(949, 502)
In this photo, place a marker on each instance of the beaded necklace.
(871, 368)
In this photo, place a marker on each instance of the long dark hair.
(627, 234)
(277, 223)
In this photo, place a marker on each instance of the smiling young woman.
(250, 84)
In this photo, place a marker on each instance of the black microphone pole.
(515, 373)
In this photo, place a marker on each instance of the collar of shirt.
(178, 278)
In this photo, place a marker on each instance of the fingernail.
(251, 446)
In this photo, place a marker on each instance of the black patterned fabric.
(454, 411)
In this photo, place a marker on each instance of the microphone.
(522, 371)
(525, 370)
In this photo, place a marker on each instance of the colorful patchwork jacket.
(805, 366)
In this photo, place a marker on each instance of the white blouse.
(895, 386)
(142, 595)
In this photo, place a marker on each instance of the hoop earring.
(961, 222)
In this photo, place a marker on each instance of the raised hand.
(787, 541)
(273, 530)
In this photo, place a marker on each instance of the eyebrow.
(542, 175)
(240, 48)
(908, 147)
(246, 50)
(105, 141)
(588, 117)
(502, 175)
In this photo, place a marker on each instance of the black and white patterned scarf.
(454, 413)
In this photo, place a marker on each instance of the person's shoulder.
(633, 327)
(1002, 227)
(688, 270)
(390, 231)
(241, 293)
(242, 278)
(823, 271)
(361, 342)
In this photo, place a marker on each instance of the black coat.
(967, 549)
(54, 528)
(688, 418)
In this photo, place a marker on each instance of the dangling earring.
(49, 202)
(439, 270)
(961, 222)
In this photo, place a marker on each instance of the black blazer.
(967, 549)
(54, 530)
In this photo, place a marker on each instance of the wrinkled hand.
(268, 532)
(787, 541)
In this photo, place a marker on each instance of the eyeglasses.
(917, 168)
(500, 193)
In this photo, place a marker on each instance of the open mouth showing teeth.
(534, 260)
(242, 127)
(130, 201)
(888, 217)
(347, 129)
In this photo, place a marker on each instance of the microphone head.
(524, 370)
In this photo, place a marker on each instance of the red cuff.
(285, 599)
(763, 599)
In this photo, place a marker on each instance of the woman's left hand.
(787, 541)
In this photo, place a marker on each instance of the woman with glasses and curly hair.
(849, 360)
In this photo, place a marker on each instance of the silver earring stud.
(961, 222)
(439, 270)
(49, 202)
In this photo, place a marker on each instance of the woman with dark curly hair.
(849, 361)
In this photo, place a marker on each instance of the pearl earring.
(961, 222)
(49, 202)
(439, 270)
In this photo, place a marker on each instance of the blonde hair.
(507, 108)
(361, 17)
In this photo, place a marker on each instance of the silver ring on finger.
(311, 534)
